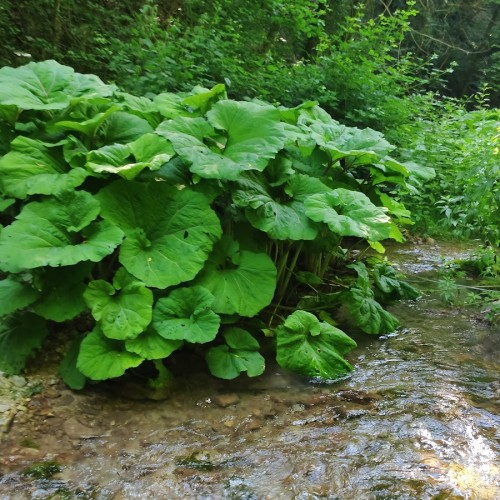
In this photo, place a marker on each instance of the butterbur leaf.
(62, 291)
(101, 358)
(171, 105)
(47, 85)
(368, 314)
(45, 234)
(32, 167)
(5, 203)
(168, 232)
(313, 348)
(68, 371)
(123, 127)
(254, 132)
(152, 149)
(389, 282)
(254, 135)
(128, 160)
(20, 336)
(241, 281)
(202, 98)
(123, 310)
(150, 345)
(349, 213)
(240, 353)
(362, 146)
(14, 295)
(87, 127)
(185, 314)
(280, 210)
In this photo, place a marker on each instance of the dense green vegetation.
(255, 140)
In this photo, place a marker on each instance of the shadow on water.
(418, 419)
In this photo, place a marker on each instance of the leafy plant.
(154, 224)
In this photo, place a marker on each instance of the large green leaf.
(241, 281)
(368, 314)
(168, 232)
(15, 294)
(306, 345)
(57, 232)
(87, 126)
(101, 358)
(349, 213)
(253, 136)
(20, 336)
(202, 98)
(150, 345)
(31, 167)
(240, 353)
(47, 85)
(279, 210)
(124, 127)
(185, 314)
(68, 371)
(364, 146)
(62, 291)
(123, 309)
(254, 132)
(128, 160)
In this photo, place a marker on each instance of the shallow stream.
(418, 419)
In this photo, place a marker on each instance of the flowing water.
(418, 419)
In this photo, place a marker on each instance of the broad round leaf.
(150, 345)
(68, 371)
(242, 282)
(349, 213)
(168, 232)
(32, 167)
(279, 210)
(14, 295)
(310, 347)
(368, 314)
(254, 136)
(62, 291)
(149, 151)
(239, 354)
(185, 314)
(45, 234)
(47, 85)
(20, 336)
(122, 313)
(101, 358)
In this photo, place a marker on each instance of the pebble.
(76, 430)
(18, 381)
(5, 407)
(225, 400)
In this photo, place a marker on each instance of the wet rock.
(5, 407)
(359, 397)
(251, 424)
(52, 393)
(225, 400)
(76, 430)
(18, 381)
(316, 400)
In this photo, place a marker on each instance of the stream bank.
(419, 418)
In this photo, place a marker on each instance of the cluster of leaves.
(464, 198)
(484, 267)
(174, 221)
